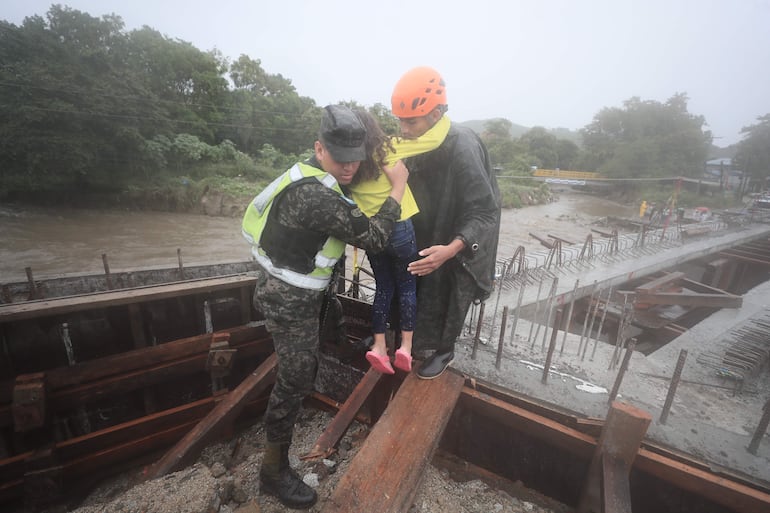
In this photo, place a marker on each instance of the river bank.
(58, 240)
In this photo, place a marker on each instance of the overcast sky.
(551, 63)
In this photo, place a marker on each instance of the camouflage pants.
(291, 317)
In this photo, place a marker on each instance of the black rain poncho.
(456, 191)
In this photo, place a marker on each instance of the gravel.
(225, 479)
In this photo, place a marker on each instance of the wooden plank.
(331, 436)
(63, 305)
(386, 471)
(219, 418)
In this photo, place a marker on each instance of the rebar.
(478, 331)
(499, 283)
(601, 323)
(568, 321)
(534, 317)
(551, 345)
(622, 371)
(518, 309)
(591, 326)
(502, 338)
(547, 312)
(620, 339)
(674, 384)
(585, 320)
(761, 429)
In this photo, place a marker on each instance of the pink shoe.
(379, 363)
(403, 360)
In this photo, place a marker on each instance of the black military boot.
(277, 478)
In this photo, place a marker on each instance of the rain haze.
(536, 63)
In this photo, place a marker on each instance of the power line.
(147, 118)
(140, 99)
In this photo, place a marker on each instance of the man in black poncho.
(458, 226)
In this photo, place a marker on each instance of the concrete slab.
(708, 420)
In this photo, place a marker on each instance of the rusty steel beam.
(110, 450)
(690, 476)
(385, 473)
(616, 492)
(690, 299)
(702, 287)
(606, 487)
(737, 255)
(133, 360)
(331, 436)
(69, 387)
(664, 281)
(748, 252)
(64, 305)
(218, 419)
(545, 242)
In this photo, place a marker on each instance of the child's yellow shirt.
(371, 194)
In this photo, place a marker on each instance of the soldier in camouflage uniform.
(298, 227)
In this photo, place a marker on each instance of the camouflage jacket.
(315, 207)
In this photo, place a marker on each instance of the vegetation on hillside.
(90, 109)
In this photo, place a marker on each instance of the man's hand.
(434, 257)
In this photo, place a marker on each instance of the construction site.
(624, 369)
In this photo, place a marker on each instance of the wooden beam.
(219, 418)
(386, 471)
(64, 305)
(331, 436)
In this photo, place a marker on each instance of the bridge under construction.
(622, 372)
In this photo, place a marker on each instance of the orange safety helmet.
(418, 92)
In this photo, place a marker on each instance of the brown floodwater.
(55, 241)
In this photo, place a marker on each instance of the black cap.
(343, 134)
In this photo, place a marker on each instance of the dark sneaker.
(435, 365)
(289, 489)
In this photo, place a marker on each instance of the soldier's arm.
(323, 210)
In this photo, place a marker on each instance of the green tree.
(266, 109)
(646, 139)
(753, 154)
(542, 145)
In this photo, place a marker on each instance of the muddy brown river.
(71, 241)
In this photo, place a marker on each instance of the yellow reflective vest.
(257, 215)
